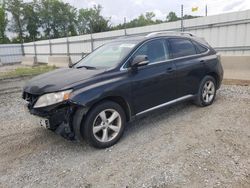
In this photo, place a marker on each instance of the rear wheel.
(104, 124)
(207, 92)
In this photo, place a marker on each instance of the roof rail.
(169, 32)
(187, 33)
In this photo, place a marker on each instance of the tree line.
(49, 19)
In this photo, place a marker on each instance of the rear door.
(189, 65)
(153, 84)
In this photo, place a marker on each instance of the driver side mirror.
(139, 60)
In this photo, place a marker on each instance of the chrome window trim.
(165, 61)
(166, 104)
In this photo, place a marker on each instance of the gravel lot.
(182, 146)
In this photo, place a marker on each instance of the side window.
(181, 47)
(155, 50)
(200, 48)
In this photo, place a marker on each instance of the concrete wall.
(236, 67)
(227, 33)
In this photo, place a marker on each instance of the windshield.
(108, 55)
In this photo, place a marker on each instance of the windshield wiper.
(85, 66)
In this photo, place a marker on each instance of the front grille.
(30, 98)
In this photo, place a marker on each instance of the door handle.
(202, 61)
(170, 69)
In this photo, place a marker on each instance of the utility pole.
(67, 43)
(91, 38)
(50, 45)
(35, 50)
(206, 10)
(125, 26)
(182, 26)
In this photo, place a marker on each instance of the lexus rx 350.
(123, 80)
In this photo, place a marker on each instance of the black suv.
(122, 80)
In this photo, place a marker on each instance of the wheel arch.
(81, 113)
(216, 77)
(119, 100)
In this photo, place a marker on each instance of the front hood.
(59, 79)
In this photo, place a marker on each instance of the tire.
(104, 124)
(207, 92)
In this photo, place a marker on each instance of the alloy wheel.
(208, 91)
(107, 125)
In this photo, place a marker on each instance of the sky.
(118, 9)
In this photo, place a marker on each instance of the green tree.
(46, 14)
(31, 19)
(91, 21)
(186, 16)
(15, 7)
(3, 24)
(42, 19)
(16, 40)
(149, 17)
(58, 19)
(68, 19)
(142, 20)
(171, 17)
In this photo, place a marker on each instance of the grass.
(26, 71)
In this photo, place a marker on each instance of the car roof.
(155, 34)
(170, 34)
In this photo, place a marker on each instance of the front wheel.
(104, 124)
(207, 92)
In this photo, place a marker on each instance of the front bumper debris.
(59, 118)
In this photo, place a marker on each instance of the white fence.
(227, 33)
(10, 53)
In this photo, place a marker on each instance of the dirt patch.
(236, 82)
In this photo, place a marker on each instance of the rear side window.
(200, 49)
(181, 47)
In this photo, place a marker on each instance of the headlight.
(52, 98)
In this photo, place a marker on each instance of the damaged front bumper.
(59, 118)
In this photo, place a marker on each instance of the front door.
(153, 84)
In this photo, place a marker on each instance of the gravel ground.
(182, 146)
